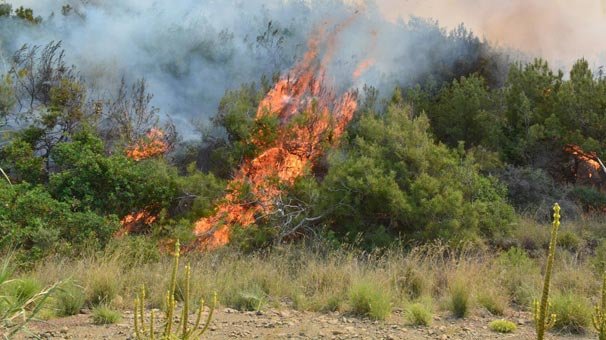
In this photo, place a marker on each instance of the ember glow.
(152, 145)
(133, 222)
(301, 94)
(588, 169)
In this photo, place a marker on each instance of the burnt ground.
(288, 324)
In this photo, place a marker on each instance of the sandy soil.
(289, 324)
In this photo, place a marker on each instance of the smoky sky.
(192, 51)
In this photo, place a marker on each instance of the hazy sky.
(561, 30)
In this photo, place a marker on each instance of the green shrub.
(493, 300)
(459, 298)
(573, 313)
(104, 315)
(23, 289)
(519, 275)
(69, 299)
(502, 326)
(252, 299)
(371, 300)
(418, 314)
(569, 240)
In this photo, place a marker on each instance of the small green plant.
(182, 332)
(459, 299)
(18, 303)
(494, 300)
(69, 299)
(370, 300)
(418, 314)
(502, 326)
(252, 299)
(573, 311)
(599, 314)
(540, 309)
(104, 315)
(24, 289)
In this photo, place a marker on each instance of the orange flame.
(587, 169)
(301, 93)
(133, 222)
(152, 145)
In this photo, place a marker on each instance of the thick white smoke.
(192, 51)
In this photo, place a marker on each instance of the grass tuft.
(573, 313)
(459, 298)
(369, 299)
(418, 314)
(104, 315)
(69, 299)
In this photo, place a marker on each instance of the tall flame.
(302, 93)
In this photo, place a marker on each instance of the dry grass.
(463, 279)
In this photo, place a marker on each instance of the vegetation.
(369, 299)
(21, 300)
(439, 190)
(183, 331)
(541, 308)
(418, 314)
(502, 326)
(104, 315)
(599, 318)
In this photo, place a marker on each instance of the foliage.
(573, 313)
(104, 315)
(502, 326)
(598, 318)
(21, 300)
(459, 302)
(541, 308)
(88, 179)
(391, 177)
(367, 298)
(418, 314)
(30, 219)
(69, 299)
(183, 331)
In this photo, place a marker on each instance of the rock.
(64, 330)
(444, 337)
(284, 314)
(521, 322)
(229, 310)
(338, 332)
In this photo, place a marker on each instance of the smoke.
(558, 30)
(192, 51)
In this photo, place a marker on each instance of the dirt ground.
(288, 324)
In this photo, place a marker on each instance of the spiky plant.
(541, 309)
(183, 331)
(16, 312)
(599, 314)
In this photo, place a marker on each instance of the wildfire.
(588, 168)
(302, 93)
(152, 145)
(133, 222)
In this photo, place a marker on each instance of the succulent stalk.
(541, 309)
